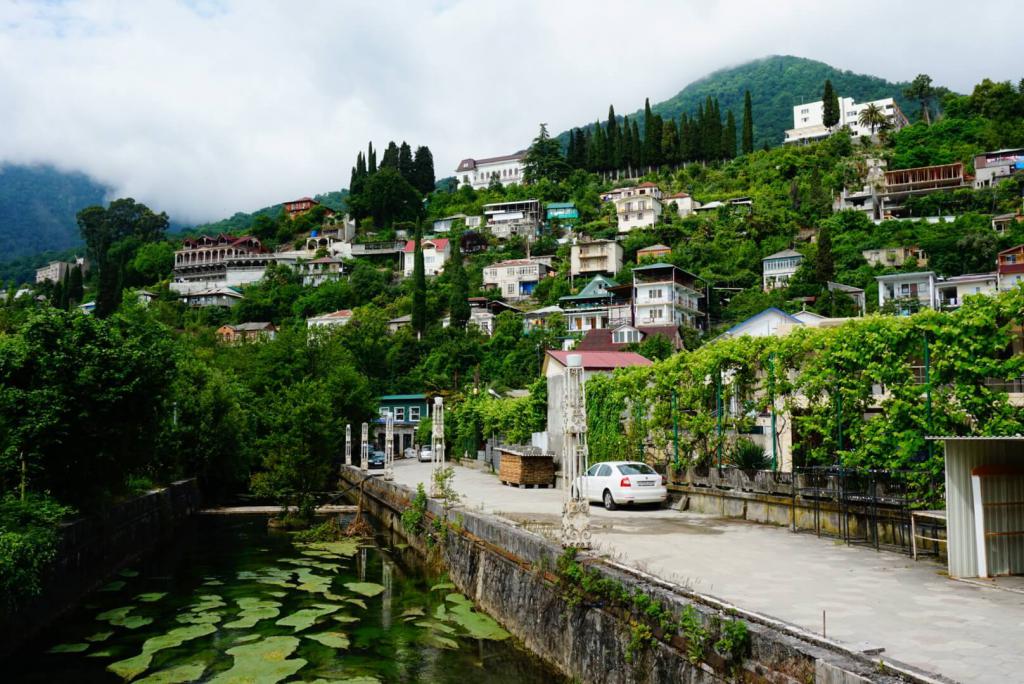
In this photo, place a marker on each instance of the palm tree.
(872, 116)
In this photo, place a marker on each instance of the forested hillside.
(776, 85)
(38, 206)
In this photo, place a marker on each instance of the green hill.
(776, 85)
(38, 206)
(241, 221)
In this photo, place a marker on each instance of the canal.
(230, 601)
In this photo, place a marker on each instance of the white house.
(435, 254)
(595, 256)
(645, 189)
(664, 294)
(220, 296)
(909, 292)
(506, 219)
(894, 257)
(684, 204)
(593, 362)
(808, 119)
(637, 212)
(330, 320)
(316, 272)
(515, 278)
(950, 292)
(478, 173)
(778, 268)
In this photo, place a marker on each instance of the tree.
(387, 198)
(613, 145)
(458, 304)
(873, 117)
(921, 91)
(729, 137)
(405, 165)
(544, 159)
(748, 124)
(390, 158)
(75, 287)
(824, 264)
(423, 170)
(371, 160)
(830, 105)
(419, 287)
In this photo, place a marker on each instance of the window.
(384, 411)
(604, 471)
(654, 293)
(636, 469)
(657, 313)
(400, 413)
(626, 336)
(593, 470)
(510, 288)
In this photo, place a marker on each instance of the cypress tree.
(729, 137)
(423, 170)
(638, 144)
(613, 142)
(627, 144)
(405, 166)
(686, 147)
(390, 158)
(824, 264)
(598, 155)
(830, 102)
(371, 160)
(670, 143)
(748, 124)
(57, 296)
(76, 289)
(658, 125)
(419, 287)
(458, 306)
(648, 155)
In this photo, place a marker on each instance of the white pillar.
(437, 443)
(348, 444)
(389, 446)
(364, 448)
(575, 497)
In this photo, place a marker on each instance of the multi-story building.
(664, 294)
(637, 211)
(1010, 268)
(216, 296)
(478, 173)
(316, 272)
(206, 262)
(683, 203)
(407, 410)
(808, 119)
(564, 212)
(950, 292)
(645, 189)
(595, 256)
(907, 293)
(778, 268)
(246, 332)
(883, 195)
(894, 257)
(300, 206)
(515, 278)
(602, 303)
(436, 252)
(992, 167)
(508, 219)
(56, 271)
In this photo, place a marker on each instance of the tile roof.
(602, 339)
(341, 313)
(601, 360)
(438, 243)
(470, 163)
(784, 253)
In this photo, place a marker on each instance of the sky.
(202, 108)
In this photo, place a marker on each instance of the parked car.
(615, 483)
(409, 452)
(426, 455)
(375, 461)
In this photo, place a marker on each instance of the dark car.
(375, 460)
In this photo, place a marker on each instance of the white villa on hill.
(778, 268)
(478, 173)
(808, 119)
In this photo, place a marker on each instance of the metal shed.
(984, 505)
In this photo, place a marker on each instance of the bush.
(746, 455)
(28, 544)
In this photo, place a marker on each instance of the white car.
(615, 483)
(409, 452)
(426, 455)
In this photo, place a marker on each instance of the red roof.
(678, 195)
(438, 243)
(601, 339)
(602, 360)
(647, 184)
(343, 313)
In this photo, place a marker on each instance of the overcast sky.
(208, 107)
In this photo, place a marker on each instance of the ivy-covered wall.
(865, 376)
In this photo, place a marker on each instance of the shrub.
(747, 455)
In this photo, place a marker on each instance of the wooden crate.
(518, 469)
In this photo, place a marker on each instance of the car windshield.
(636, 469)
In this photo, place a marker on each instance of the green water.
(230, 601)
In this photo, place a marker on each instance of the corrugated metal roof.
(601, 359)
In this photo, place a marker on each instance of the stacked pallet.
(520, 468)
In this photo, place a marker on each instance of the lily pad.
(330, 639)
(438, 626)
(116, 585)
(247, 638)
(130, 668)
(151, 597)
(128, 572)
(115, 614)
(213, 583)
(99, 636)
(278, 594)
(357, 602)
(345, 547)
(478, 625)
(345, 619)
(368, 589)
(438, 641)
(264, 661)
(252, 611)
(69, 648)
(133, 622)
(189, 672)
(105, 653)
(413, 612)
(306, 617)
(443, 586)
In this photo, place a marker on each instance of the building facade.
(683, 204)
(564, 212)
(246, 332)
(894, 257)
(637, 212)
(300, 206)
(992, 167)
(515, 278)
(950, 292)
(509, 219)
(217, 296)
(335, 319)
(808, 119)
(436, 252)
(478, 173)
(595, 256)
(407, 410)
(602, 303)
(655, 252)
(664, 294)
(777, 269)
(907, 293)
(1010, 268)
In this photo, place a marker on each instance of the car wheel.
(609, 502)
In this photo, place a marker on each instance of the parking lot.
(969, 632)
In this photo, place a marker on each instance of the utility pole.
(675, 430)
(928, 394)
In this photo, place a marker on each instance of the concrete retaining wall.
(509, 573)
(91, 549)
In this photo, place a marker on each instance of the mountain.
(776, 85)
(38, 206)
(241, 221)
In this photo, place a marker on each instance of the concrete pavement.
(968, 632)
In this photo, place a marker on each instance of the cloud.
(208, 107)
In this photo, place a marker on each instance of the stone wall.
(91, 549)
(510, 573)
